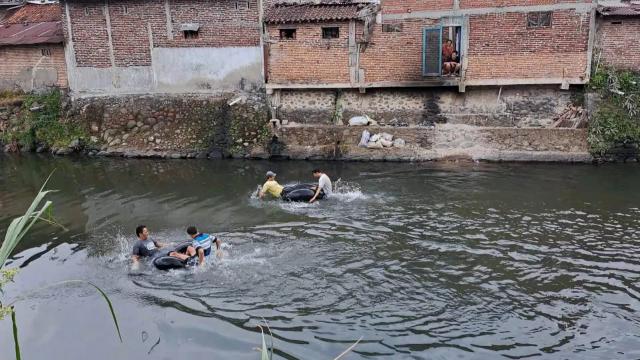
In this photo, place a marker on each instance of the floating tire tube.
(166, 262)
(300, 192)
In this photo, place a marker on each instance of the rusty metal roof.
(34, 13)
(286, 13)
(624, 9)
(26, 34)
(32, 24)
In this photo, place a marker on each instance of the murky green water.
(424, 261)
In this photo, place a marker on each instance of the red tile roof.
(33, 13)
(284, 13)
(621, 10)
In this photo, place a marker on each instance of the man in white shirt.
(324, 184)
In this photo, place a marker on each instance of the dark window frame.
(391, 28)
(45, 52)
(540, 20)
(330, 32)
(190, 34)
(288, 34)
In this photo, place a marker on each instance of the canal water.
(423, 261)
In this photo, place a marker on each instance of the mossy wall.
(141, 124)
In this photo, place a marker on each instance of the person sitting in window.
(447, 50)
(452, 67)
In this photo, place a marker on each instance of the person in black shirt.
(146, 247)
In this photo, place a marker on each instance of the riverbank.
(238, 126)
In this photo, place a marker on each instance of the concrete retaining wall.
(174, 70)
(490, 106)
(440, 142)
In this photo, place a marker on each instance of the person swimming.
(271, 186)
(202, 243)
(146, 247)
(324, 185)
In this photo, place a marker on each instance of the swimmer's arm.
(316, 195)
(218, 245)
(262, 191)
(158, 244)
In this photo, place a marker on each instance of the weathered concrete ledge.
(439, 142)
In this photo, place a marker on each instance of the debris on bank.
(574, 117)
(374, 141)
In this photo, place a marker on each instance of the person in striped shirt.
(202, 243)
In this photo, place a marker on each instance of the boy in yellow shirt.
(271, 186)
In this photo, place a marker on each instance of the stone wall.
(507, 106)
(172, 126)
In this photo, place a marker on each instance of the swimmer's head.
(192, 231)
(142, 232)
(271, 175)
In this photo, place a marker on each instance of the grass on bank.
(39, 122)
(616, 122)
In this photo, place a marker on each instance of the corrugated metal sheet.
(283, 13)
(623, 10)
(26, 34)
(32, 13)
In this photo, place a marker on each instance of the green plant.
(17, 230)
(40, 122)
(615, 122)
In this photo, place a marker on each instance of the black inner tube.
(166, 262)
(300, 192)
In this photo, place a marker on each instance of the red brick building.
(400, 44)
(619, 36)
(166, 46)
(31, 48)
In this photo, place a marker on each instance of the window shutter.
(431, 51)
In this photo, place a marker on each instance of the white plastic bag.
(366, 135)
(359, 121)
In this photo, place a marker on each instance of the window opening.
(616, 23)
(45, 52)
(442, 51)
(125, 10)
(392, 27)
(190, 34)
(190, 30)
(287, 34)
(86, 11)
(330, 32)
(539, 19)
(242, 5)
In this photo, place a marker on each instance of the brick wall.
(309, 58)
(222, 24)
(18, 62)
(619, 42)
(501, 47)
(511, 50)
(407, 6)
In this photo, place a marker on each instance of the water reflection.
(437, 261)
